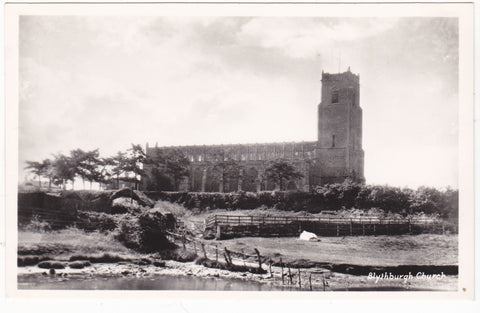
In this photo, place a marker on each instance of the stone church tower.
(339, 153)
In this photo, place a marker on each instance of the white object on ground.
(305, 235)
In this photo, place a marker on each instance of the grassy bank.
(68, 242)
(70, 245)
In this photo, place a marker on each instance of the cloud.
(306, 37)
(106, 82)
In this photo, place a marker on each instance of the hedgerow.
(333, 197)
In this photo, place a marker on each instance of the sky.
(105, 82)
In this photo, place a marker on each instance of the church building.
(335, 156)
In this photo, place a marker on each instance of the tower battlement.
(347, 76)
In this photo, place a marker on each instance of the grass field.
(425, 249)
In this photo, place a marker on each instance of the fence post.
(226, 259)
(204, 252)
(228, 255)
(310, 281)
(351, 226)
(363, 228)
(281, 265)
(259, 259)
(338, 230)
(299, 278)
(290, 275)
(216, 253)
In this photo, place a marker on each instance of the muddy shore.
(315, 279)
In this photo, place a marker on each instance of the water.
(164, 282)
(157, 282)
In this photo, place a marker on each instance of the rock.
(51, 265)
(27, 260)
(79, 264)
(143, 261)
(159, 263)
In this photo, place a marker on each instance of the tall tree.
(92, 166)
(167, 169)
(225, 168)
(176, 166)
(39, 169)
(115, 166)
(49, 171)
(64, 170)
(104, 172)
(133, 164)
(87, 165)
(281, 171)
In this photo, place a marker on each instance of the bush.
(153, 225)
(128, 231)
(95, 221)
(38, 225)
(145, 232)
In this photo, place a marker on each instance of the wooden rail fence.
(227, 226)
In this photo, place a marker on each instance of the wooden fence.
(289, 274)
(228, 226)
